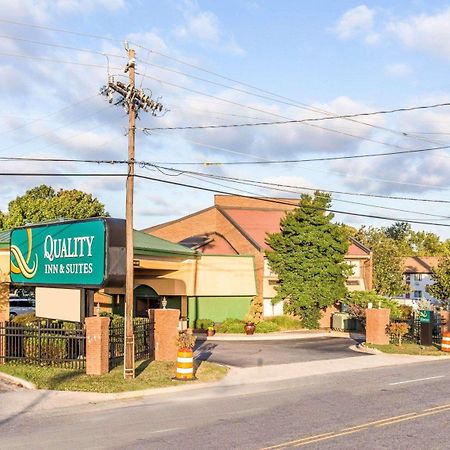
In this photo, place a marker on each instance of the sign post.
(426, 327)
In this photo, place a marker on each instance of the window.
(417, 294)
(356, 268)
(417, 277)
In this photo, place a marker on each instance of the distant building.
(417, 275)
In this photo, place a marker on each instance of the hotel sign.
(88, 253)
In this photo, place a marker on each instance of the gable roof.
(255, 223)
(419, 264)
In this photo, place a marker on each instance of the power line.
(291, 161)
(309, 119)
(260, 184)
(273, 114)
(197, 67)
(371, 216)
(66, 47)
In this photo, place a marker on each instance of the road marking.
(364, 426)
(418, 379)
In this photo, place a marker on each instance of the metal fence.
(142, 339)
(413, 335)
(58, 344)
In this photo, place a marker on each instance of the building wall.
(217, 308)
(417, 284)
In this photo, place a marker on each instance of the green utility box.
(343, 322)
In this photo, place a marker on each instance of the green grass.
(409, 349)
(153, 374)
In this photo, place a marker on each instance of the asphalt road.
(264, 353)
(404, 407)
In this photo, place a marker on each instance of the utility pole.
(133, 100)
(129, 367)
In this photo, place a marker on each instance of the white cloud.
(425, 32)
(356, 21)
(398, 69)
(203, 27)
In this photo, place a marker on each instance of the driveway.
(265, 353)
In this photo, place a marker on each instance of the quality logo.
(23, 264)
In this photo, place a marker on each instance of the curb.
(18, 381)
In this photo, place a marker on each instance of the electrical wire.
(265, 199)
(309, 119)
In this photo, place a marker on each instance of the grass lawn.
(410, 349)
(154, 374)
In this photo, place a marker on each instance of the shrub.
(231, 325)
(266, 327)
(47, 347)
(397, 330)
(286, 322)
(25, 319)
(204, 324)
(186, 340)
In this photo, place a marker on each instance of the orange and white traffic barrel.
(185, 365)
(445, 345)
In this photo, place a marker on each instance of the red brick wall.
(376, 322)
(97, 345)
(165, 333)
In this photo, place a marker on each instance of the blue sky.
(341, 57)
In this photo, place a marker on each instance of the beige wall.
(209, 276)
(4, 265)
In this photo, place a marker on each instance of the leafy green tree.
(42, 203)
(440, 275)
(308, 257)
(387, 261)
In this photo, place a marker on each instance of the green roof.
(4, 239)
(144, 245)
(148, 245)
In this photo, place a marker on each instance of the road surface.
(402, 407)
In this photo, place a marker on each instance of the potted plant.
(211, 331)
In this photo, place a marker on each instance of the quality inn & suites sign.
(87, 253)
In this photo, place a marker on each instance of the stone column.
(376, 322)
(165, 333)
(97, 345)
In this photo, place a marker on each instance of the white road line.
(418, 379)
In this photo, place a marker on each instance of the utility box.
(342, 322)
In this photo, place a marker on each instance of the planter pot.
(210, 332)
(249, 328)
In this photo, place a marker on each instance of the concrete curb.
(18, 381)
(286, 335)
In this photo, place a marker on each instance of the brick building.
(239, 226)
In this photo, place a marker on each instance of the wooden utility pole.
(133, 100)
(129, 368)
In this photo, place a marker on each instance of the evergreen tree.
(308, 257)
(387, 261)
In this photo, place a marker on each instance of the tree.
(440, 275)
(387, 261)
(42, 203)
(308, 257)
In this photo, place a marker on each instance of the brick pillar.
(97, 345)
(165, 333)
(4, 316)
(4, 302)
(376, 322)
(445, 317)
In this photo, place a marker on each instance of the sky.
(228, 63)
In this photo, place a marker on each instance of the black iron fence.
(59, 344)
(413, 335)
(142, 339)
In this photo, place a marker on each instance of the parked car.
(18, 306)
